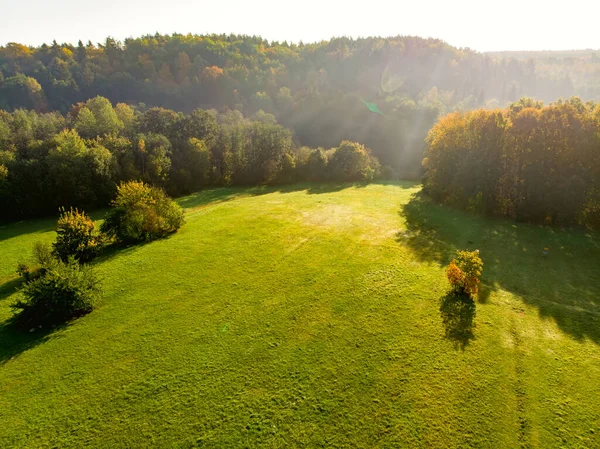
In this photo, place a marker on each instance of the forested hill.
(184, 72)
(384, 92)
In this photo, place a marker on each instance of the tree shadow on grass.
(9, 230)
(206, 197)
(564, 286)
(458, 315)
(319, 188)
(10, 287)
(484, 293)
(211, 196)
(214, 195)
(15, 336)
(112, 249)
(14, 340)
(17, 228)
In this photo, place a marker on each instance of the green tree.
(126, 115)
(78, 175)
(154, 156)
(158, 121)
(107, 121)
(22, 91)
(86, 124)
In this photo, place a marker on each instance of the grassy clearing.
(315, 316)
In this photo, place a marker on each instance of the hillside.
(314, 315)
(184, 72)
(383, 92)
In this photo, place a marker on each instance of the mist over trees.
(383, 92)
(185, 111)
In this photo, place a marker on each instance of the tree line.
(383, 92)
(50, 160)
(529, 162)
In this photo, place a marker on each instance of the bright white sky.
(482, 25)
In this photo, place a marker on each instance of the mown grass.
(314, 316)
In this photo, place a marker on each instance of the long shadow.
(317, 188)
(398, 183)
(10, 287)
(13, 229)
(331, 187)
(14, 340)
(198, 199)
(214, 195)
(35, 226)
(223, 194)
(110, 251)
(564, 285)
(458, 315)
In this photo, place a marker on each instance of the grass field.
(314, 316)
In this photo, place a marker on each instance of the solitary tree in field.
(464, 272)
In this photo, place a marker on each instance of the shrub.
(44, 258)
(464, 272)
(42, 253)
(352, 161)
(62, 292)
(76, 236)
(141, 212)
(24, 271)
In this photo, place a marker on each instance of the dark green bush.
(141, 213)
(76, 236)
(42, 253)
(24, 271)
(62, 292)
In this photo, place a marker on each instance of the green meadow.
(314, 316)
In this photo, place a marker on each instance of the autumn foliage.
(141, 213)
(76, 236)
(527, 162)
(464, 272)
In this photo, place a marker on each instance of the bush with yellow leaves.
(76, 236)
(464, 272)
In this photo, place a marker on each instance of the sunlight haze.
(268, 224)
(508, 25)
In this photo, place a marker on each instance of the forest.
(48, 160)
(187, 111)
(383, 92)
(529, 162)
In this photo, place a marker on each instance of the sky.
(482, 25)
